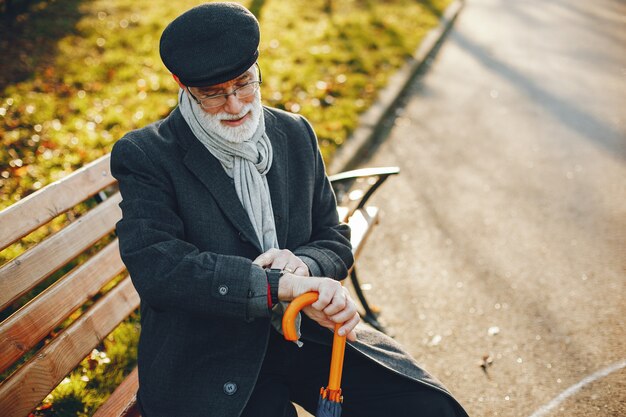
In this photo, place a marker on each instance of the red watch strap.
(269, 296)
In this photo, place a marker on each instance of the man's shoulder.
(145, 132)
(156, 135)
(283, 117)
(291, 124)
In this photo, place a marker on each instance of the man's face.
(232, 103)
(236, 119)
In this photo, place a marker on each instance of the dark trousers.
(291, 374)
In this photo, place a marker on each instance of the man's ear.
(181, 85)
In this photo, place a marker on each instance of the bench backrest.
(60, 274)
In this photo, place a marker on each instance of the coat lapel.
(210, 172)
(277, 178)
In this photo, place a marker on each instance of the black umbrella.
(329, 404)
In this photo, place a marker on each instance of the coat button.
(242, 237)
(223, 290)
(230, 388)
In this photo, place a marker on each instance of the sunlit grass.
(104, 76)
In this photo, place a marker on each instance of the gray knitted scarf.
(247, 163)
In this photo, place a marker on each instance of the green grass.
(78, 74)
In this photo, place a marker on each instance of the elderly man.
(227, 214)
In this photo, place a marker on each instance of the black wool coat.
(188, 245)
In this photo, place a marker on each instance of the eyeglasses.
(217, 100)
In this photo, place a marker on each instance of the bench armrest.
(343, 181)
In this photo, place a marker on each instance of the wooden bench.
(68, 269)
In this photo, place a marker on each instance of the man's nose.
(233, 104)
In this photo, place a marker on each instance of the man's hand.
(284, 260)
(334, 304)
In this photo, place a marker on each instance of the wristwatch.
(273, 276)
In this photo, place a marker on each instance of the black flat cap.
(210, 44)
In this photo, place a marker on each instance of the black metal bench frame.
(342, 184)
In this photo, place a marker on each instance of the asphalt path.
(500, 261)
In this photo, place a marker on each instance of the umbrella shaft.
(336, 362)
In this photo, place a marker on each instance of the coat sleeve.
(328, 252)
(168, 272)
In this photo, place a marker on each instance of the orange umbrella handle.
(339, 342)
(289, 317)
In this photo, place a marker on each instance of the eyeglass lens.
(241, 92)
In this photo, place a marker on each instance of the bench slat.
(40, 207)
(360, 225)
(21, 274)
(25, 389)
(26, 327)
(123, 401)
(343, 213)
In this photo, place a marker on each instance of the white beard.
(234, 134)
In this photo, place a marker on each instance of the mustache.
(227, 116)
